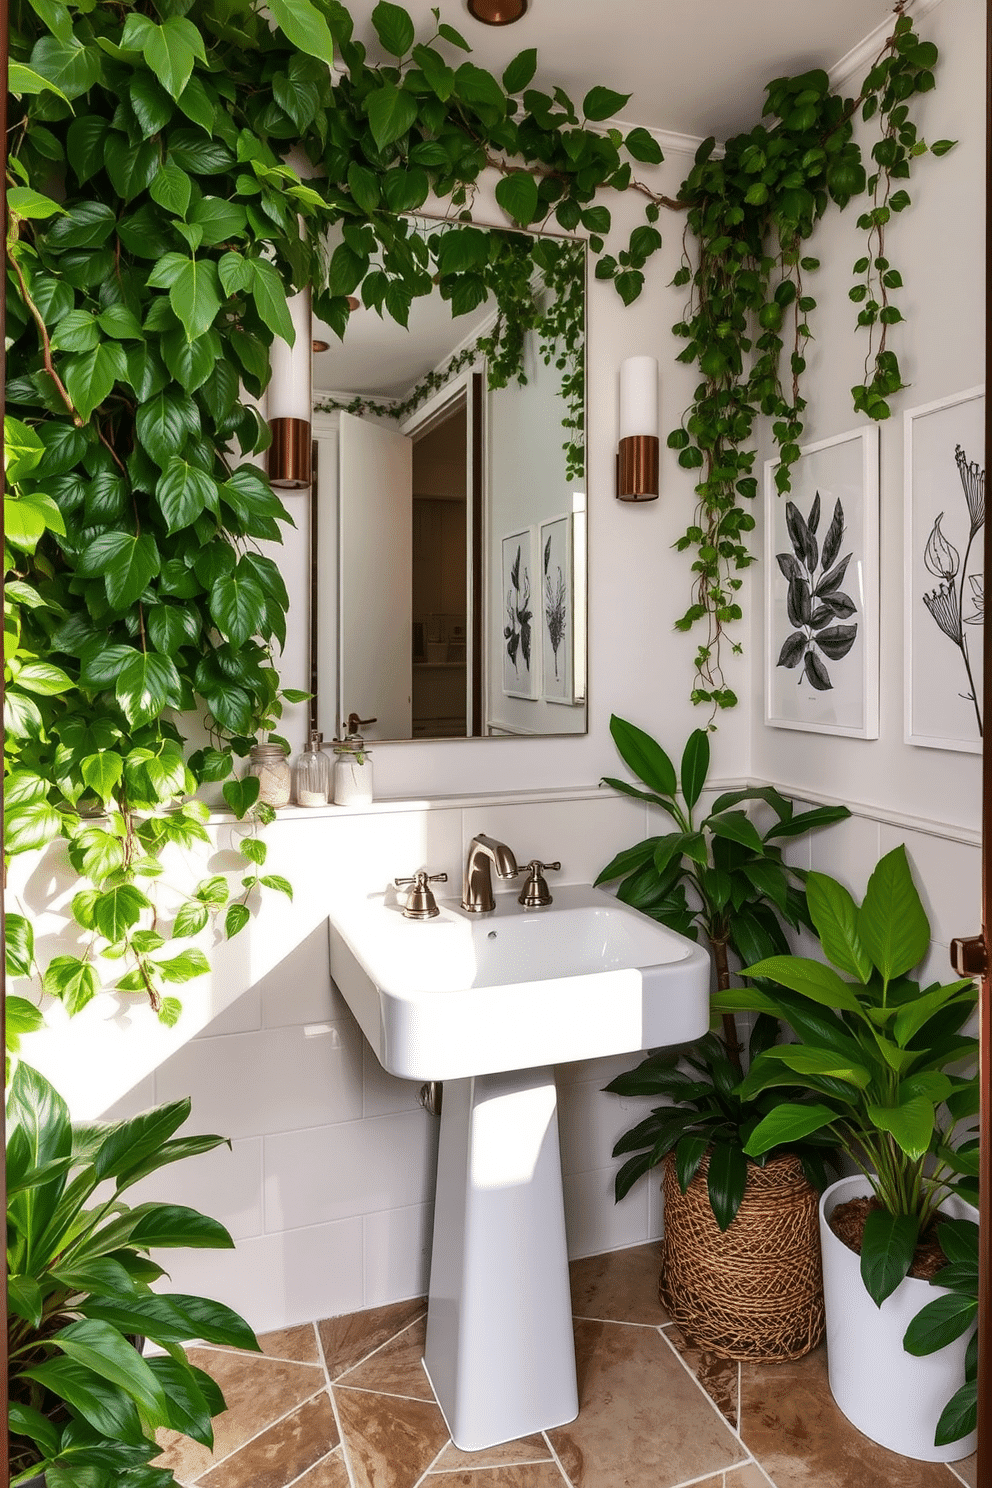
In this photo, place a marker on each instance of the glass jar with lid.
(275, 781)
(313, 774)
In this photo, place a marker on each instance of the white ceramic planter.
(890, 1396)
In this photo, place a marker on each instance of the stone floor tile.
(967, 1469)
(297, 1344)
(396, 1368)
(388, 1442)
(537, 1475)
(748, 1476)
(643, 1423)
(526, 1449)
(330, 1472)
(718, 1377)
(346, 1340)
(791, 1425)
(280, 1454)
(619, 1287)
(258, 1390)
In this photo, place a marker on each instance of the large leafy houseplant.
(717, 875)
(875, 1050)
(84, 1405)
(948, 1317)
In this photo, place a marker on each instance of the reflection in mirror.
(449, 535)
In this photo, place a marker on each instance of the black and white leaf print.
(814, 600)
(834, 537)
(817, 673)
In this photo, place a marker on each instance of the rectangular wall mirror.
(449, 502)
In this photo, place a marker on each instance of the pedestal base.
(500, 1350)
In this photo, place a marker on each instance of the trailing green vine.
(746, 325)
(154, 232)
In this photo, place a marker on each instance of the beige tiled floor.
(345, 1403)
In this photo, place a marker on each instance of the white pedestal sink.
(487, 1003)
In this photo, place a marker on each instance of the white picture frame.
(944, 571)
(520, 643)
(557, 609)
(821, 589)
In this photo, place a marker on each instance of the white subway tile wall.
(329, 1188)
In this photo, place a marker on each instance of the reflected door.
(375, 620)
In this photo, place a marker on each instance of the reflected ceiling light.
(496, 12)
(320, 345)
(354, 303)
(637, 453)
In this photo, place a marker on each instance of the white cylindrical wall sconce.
(290, 401)
(637, 452)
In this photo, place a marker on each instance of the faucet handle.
(420, 902)
(535, 891)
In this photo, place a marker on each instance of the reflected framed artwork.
(519, 660)
(821, 589)
(945, 576)
(557, 605)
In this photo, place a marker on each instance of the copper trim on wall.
(496, 12)
(288, 462)
(637, 468)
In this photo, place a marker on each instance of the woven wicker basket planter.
(756, 1290)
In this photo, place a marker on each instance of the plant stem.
(730, 1035)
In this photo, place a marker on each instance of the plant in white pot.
(877, 1050)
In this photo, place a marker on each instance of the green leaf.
(911, 1124)
(170, 49)
(236, 919)
(152, 106)
(130, 568)
(190, 920)
(24, 201)
(643, 146)
(393, 27)
(214, 891)
(517, 195)
(725, 1182)
(786, 1125)
(940, 1322)
(185, 966)
(165, 422)
(102, 773)
(147, 683)
(115, 911)
(892, 922)
(23, 80)
(835, 915)
(99, 1347)
(644, 756)
(183, 492)
(195, 295)
(454, 37)
(887, 1251)
(960, 1415)
(807, 1061)
(807, 821)
(270, 300)
(172, 189)
(237, 606)
(603, 103)
(735, 826)
(277, 882)
(21, 1017)
(68, 66)
(519, 74)
(90, 378)
(241, 796)
(107, 1409)
(391, 113)
(306, 28)
(810, 978)
(255, 850)
(30, 826)
(912, 1016)
(695, 765)
(18, 945)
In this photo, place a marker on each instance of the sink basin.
(488, 1004)
(463, 995)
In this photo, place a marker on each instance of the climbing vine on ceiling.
(154, 231)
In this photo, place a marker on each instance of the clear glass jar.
(275, 780)
(313, 775)
(352, 777)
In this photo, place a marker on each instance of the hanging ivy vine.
(154, 231)
(747, 322)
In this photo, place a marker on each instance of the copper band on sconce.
(289, 454)
(637, 468)
(497, 12)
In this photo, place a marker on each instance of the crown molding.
(861, 56)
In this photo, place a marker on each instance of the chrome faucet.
(484, 854)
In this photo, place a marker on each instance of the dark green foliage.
(873, 1052)
(747, 320)
(83, 1403)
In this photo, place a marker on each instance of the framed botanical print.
(821, 589)
(557, 606)
(519, 661)
(945, 576)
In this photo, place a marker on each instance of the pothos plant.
(154, 232)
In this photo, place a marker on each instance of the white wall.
(928, 797)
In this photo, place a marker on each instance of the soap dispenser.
(353, 771)
(313, 774)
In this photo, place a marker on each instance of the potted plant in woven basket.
(84, 1404)
(742, 1286)
(876, 1052)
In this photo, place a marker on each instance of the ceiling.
(693, 68)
